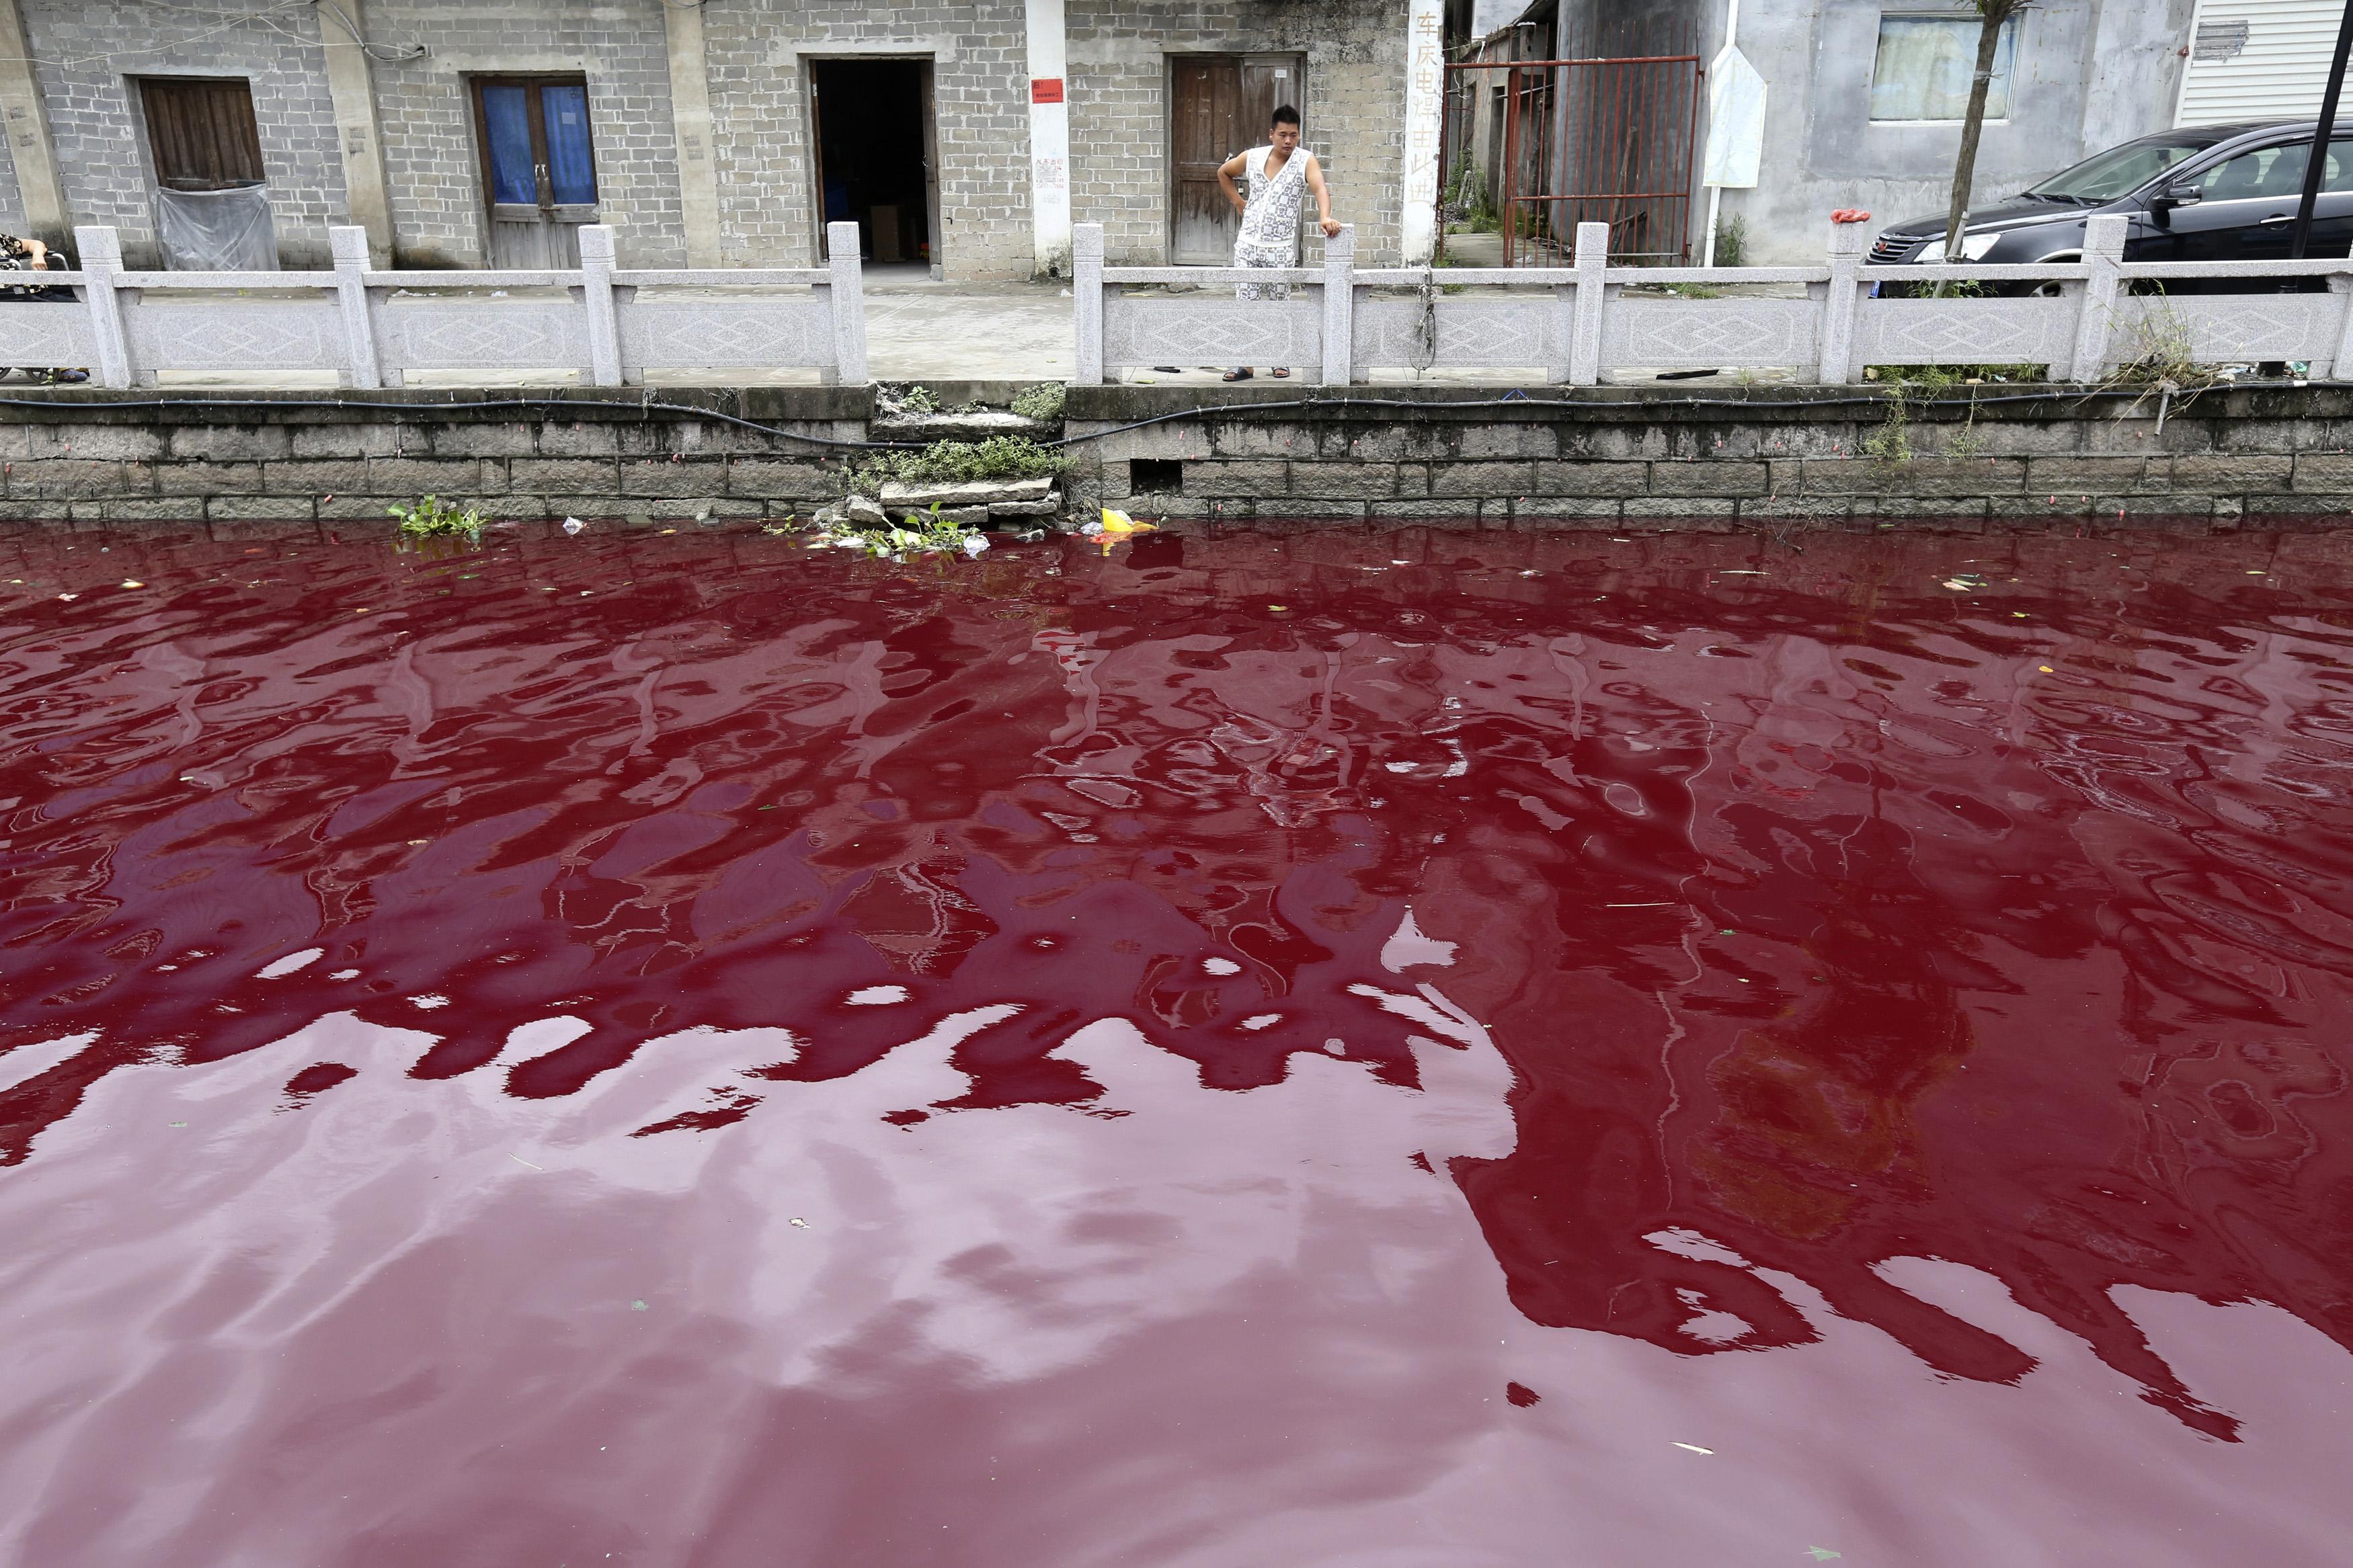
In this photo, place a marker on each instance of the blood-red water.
(1413, 1048)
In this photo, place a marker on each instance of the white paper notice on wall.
(1736, 120)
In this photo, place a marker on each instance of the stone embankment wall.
(1601, 456)
(1604, 457)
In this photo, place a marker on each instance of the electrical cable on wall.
(558, 407)
(391, 54)
(230, 20)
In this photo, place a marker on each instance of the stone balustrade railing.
(1573, 325)
(1570, 325)
(374, 329)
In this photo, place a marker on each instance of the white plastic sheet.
(1736, 120)
(216, 231)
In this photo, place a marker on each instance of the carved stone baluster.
(1087, 295)
(848, 290)
(102, 262)
(349, 244)
(1339, 306)
(1592, 255)
(2095, 311)
(597, 294)
(1834, 364)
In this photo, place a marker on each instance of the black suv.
(2212, 193)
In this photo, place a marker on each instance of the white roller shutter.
(2258, 59)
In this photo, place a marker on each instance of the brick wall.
(1353, 107)
(84, 49)
(432, 163)
(757, 54)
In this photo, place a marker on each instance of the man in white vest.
(1279, 174)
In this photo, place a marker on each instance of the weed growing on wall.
(1042, 402)
(2160, 355)
(1891, 442)
(962, 462)
(1732, 242)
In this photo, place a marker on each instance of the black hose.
(1524, 401)
(547, 408)
(544, 405)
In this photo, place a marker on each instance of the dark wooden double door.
(1223, 105)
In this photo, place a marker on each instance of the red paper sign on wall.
(1046, 89)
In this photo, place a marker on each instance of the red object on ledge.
(1850, 215)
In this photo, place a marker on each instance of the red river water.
(1255, 1049)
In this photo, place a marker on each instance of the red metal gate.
(1554, 143)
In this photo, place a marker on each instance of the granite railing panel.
(43, 334)
(2081, 316)
(370, 328)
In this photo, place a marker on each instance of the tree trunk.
(1993, 13)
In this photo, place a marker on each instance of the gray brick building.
(962, 135)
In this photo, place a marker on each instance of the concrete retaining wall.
(1599, 458)
(1603, 456)
(83, 457)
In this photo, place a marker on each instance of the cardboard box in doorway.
(886, 235)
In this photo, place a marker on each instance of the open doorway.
(876, 164)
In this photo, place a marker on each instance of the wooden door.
(539, 168)
(201, 132)
(931, 178)
(1202, 126)
(1221, 105)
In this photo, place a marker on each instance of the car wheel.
(2050, 289)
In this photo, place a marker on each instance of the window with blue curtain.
(506, 129)
(571, 163)
(536, 142)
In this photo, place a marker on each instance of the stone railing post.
(101, 256)
(349, 244)
(1087, 296)
(1590, 257)
(2095, 311)
(2341, 367)
(1834, 364)
(843, 260)
(597, 295)
(1340, 306)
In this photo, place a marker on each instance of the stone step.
(977, 426)
(970, 516)
(979, 492)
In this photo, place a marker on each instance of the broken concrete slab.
(1046, 507)
(979, 425)
(979, 492)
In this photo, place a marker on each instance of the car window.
(2276, 172)
(2120, 169)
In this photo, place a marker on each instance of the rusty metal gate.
(1537, 147)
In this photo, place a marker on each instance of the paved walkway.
(922, 331)
(916, 331)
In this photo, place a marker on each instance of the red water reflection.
(1884, 999)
